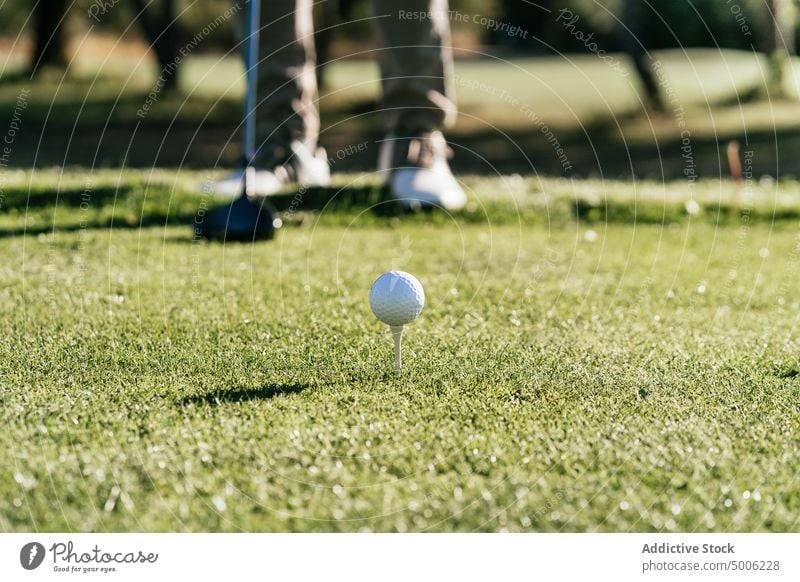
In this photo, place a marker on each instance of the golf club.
(247, 218)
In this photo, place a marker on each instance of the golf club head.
(243, 220)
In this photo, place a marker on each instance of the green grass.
(638, 378)
(548, 84)
(88, 117)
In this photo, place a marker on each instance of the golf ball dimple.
(396, 298)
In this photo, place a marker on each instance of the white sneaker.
(304, 167)
(417, 172)
(310, 168)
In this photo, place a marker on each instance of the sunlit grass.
(589, 371)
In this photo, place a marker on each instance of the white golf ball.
(396, 298)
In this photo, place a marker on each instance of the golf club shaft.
(251, 64)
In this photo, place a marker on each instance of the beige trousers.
(414, 55)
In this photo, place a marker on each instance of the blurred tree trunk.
(161, 31)
(51, 40)
(632, 41)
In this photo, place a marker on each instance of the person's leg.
(287, 121)
(287, 85)
(416, 67)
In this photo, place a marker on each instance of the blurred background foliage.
(666, 24)
(51, 28)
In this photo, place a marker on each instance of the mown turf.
(571, 371)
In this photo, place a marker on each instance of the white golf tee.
(397, 335)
